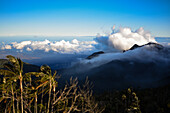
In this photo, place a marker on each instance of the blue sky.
(82, 17)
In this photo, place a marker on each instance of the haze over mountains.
(145, 66)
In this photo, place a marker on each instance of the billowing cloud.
(125, 38)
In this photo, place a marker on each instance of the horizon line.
(63, 36)
(49, 35)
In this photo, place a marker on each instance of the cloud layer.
(62, 46)
(118, 40)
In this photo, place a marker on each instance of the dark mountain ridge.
(95, 55)
(151, 44)
(124, 73)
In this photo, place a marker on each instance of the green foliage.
(37, 91)
(130, 102)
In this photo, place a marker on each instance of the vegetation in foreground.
(37, 92)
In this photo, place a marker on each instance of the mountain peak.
(151, 44)
(95, 55)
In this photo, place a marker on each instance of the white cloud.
(21, 45)
(125, 38)
(62, 46)
(7, 47)
(28, 49)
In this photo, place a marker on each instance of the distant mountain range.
(119, 74)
